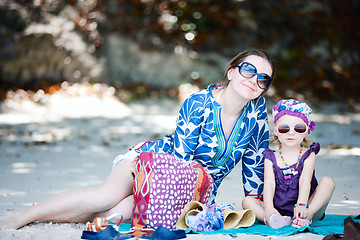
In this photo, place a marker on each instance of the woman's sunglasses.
(247, 70)
(299, 128)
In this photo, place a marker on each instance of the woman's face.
(248, 88)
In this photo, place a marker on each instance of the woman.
(217, 127)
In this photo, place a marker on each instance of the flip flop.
(100, 223)
(303, 220)
(106, 234)
(277, 221)
(164, 233)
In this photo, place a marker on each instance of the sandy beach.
(69, 139)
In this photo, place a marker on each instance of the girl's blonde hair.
(274, 140)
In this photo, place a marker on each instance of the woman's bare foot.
(8, 222)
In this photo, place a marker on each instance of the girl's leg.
(255, 205)
(318, 201)
(274, 221)
(78, 205)
(321, 197)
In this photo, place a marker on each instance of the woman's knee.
(120, 180)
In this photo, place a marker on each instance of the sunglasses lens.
(247, 70)
(283, 128)
(300, 128)
(264, 81)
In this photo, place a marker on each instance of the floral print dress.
(199, 136)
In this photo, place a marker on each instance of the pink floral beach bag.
(163, 185)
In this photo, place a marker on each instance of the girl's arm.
(269, 190)
(304, 186)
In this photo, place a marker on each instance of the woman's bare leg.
(78, 205)
(124, 208)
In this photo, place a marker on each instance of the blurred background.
(152, 48)
(81, 81)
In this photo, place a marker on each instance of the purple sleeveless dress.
(287, 190)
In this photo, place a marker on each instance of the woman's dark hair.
(241, 57)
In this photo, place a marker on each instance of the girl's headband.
(294, 108)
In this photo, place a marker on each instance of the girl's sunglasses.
(299, 128)
(247, 70)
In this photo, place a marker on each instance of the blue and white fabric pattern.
(199, 136)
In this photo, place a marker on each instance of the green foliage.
(314, 42)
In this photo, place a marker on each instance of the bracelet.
(301, 204)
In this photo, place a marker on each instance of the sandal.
(140, 230)
(277, 221)
(100, 223)
(308, 222)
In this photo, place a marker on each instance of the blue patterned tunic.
(199, 136)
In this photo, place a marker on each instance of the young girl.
(290, 186)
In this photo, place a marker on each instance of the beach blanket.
(331, 224)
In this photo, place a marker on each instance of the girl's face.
(297, 130)
(248, 88)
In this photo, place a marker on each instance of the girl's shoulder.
(269, 154)
(314, 148)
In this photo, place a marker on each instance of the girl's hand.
(267, 214)
(300, 212)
